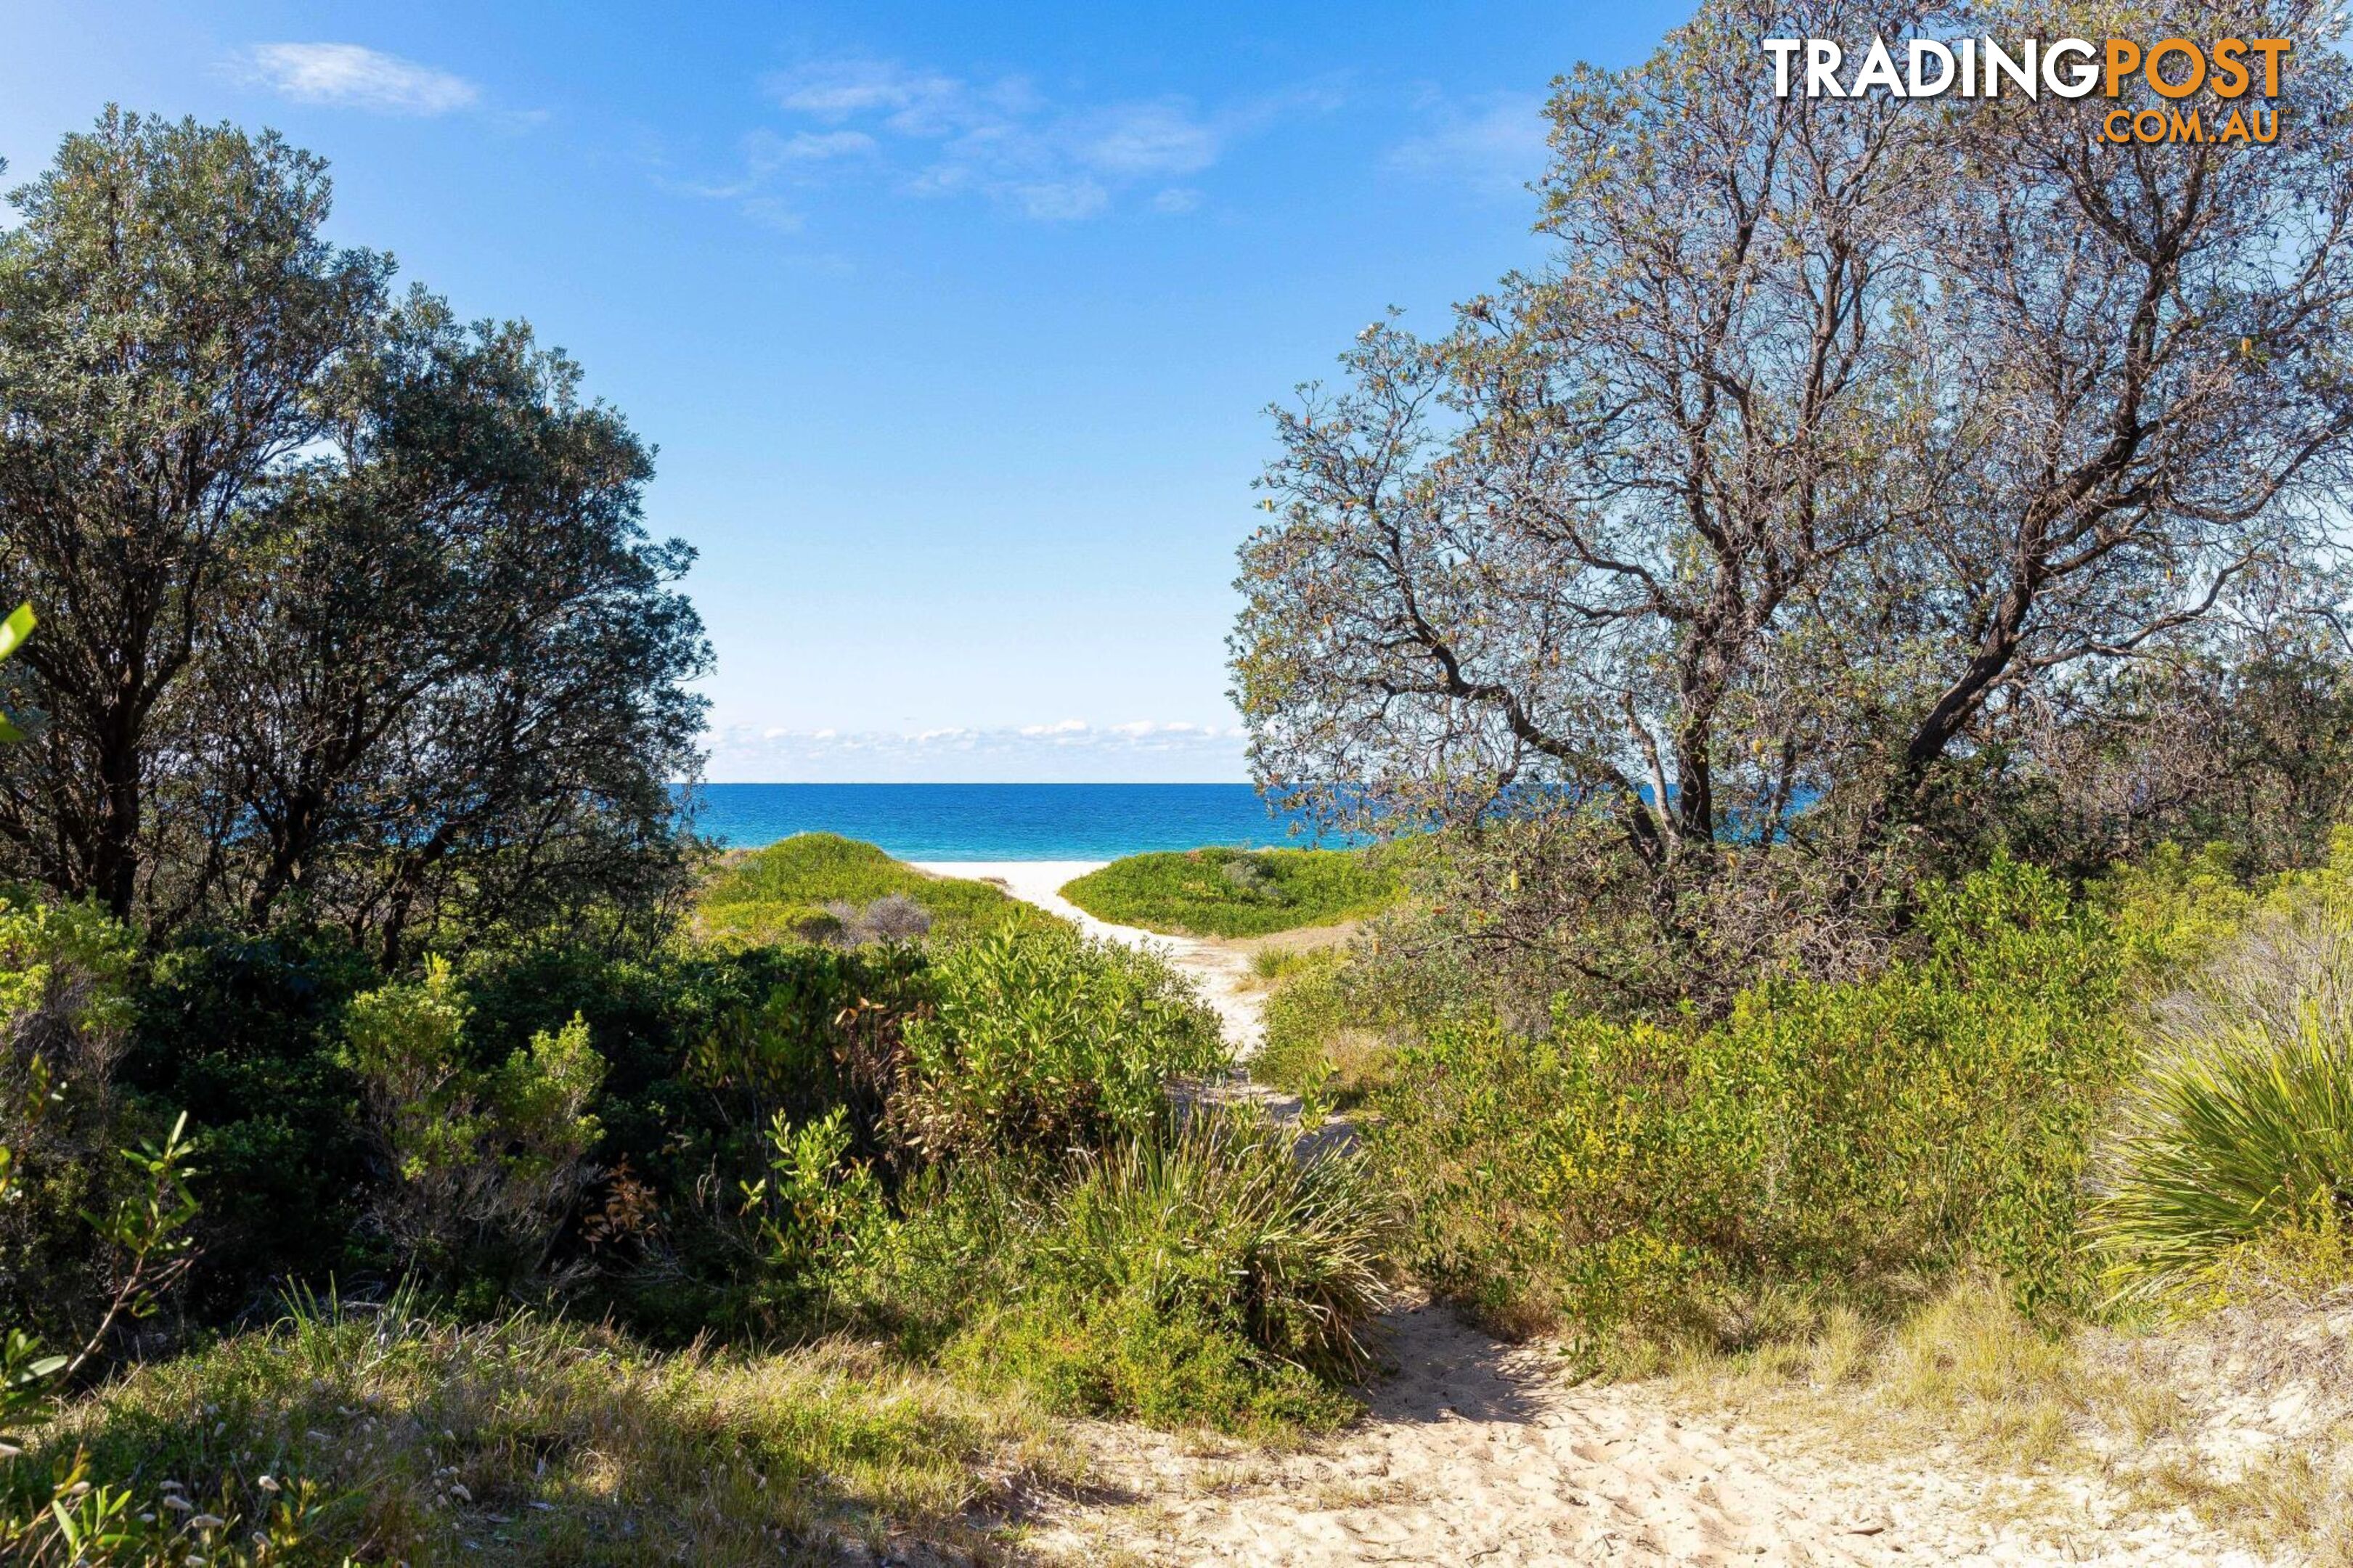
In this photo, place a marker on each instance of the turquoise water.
(996, 822)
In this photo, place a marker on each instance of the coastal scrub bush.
(1207, 1272)
(787, 891)
(71, 1204)
(1335, 1020)
(483, 1166)
(1043, 1040)
(1824, 1141)
(245, 1033)
(1236, 892)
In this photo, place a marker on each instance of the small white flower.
(177, 1503)
(268, 1484)
(206, 1521)
(458, 1489)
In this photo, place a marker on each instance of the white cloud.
(1162, 138)
(944, 135)
(1073, 749)
(1060, 201)
(765, 150)
(836, 89)
(1498, 146)
(357, 76)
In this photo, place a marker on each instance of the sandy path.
(1478, 1452)
(1223, 973)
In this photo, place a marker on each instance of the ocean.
(998, 822)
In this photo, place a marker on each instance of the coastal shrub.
(1227, 1212)
(822, 887)
(2239, 1133)
(1207, 1272)
(482, 1168)
(245, 1033)
(1330, 1035)
(1044, 1040)
(1823, 1141)
(1236, 892)
(65, 1120)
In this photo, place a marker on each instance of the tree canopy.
(349, 609)
(1843, 443)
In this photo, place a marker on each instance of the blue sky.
(954, 323)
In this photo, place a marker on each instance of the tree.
(1837, 428)
(167, 309)
(453, 680)
(357, 618)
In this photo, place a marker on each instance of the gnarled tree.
(1836, 427)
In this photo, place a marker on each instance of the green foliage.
(782, 893)
(1825, 1139)
(1331, 1036)
(245, 1033)
(1212, 1272)
(1227, 1213)
(485, 1166)
(2173, 907)
(814, 1203)
(13, 632)
(88, 1246)
(1236, 892)
(2238, 1135)
(1044, 1040)
(89, 1233)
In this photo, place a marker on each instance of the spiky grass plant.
(1227, 1211)
(2240, 1131)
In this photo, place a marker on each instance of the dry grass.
(2244, 1415)
(527, 1442)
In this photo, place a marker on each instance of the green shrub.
(1208, 1274)
(820, 886)
(65, 1122)
(482, 1167)
(245, 1033)
(1044, 1040)
(2241, 1128)
(1236, 892)
(1226, 1213)
(1825, 1141)
(1327, 1039)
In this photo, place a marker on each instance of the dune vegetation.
(1236, 892)
(325, 1136)
(821, 886)
(1874, 939)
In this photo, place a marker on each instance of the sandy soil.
(1477, 1452)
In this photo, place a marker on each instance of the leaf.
(15, 628)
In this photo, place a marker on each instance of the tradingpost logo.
(2241, 77)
